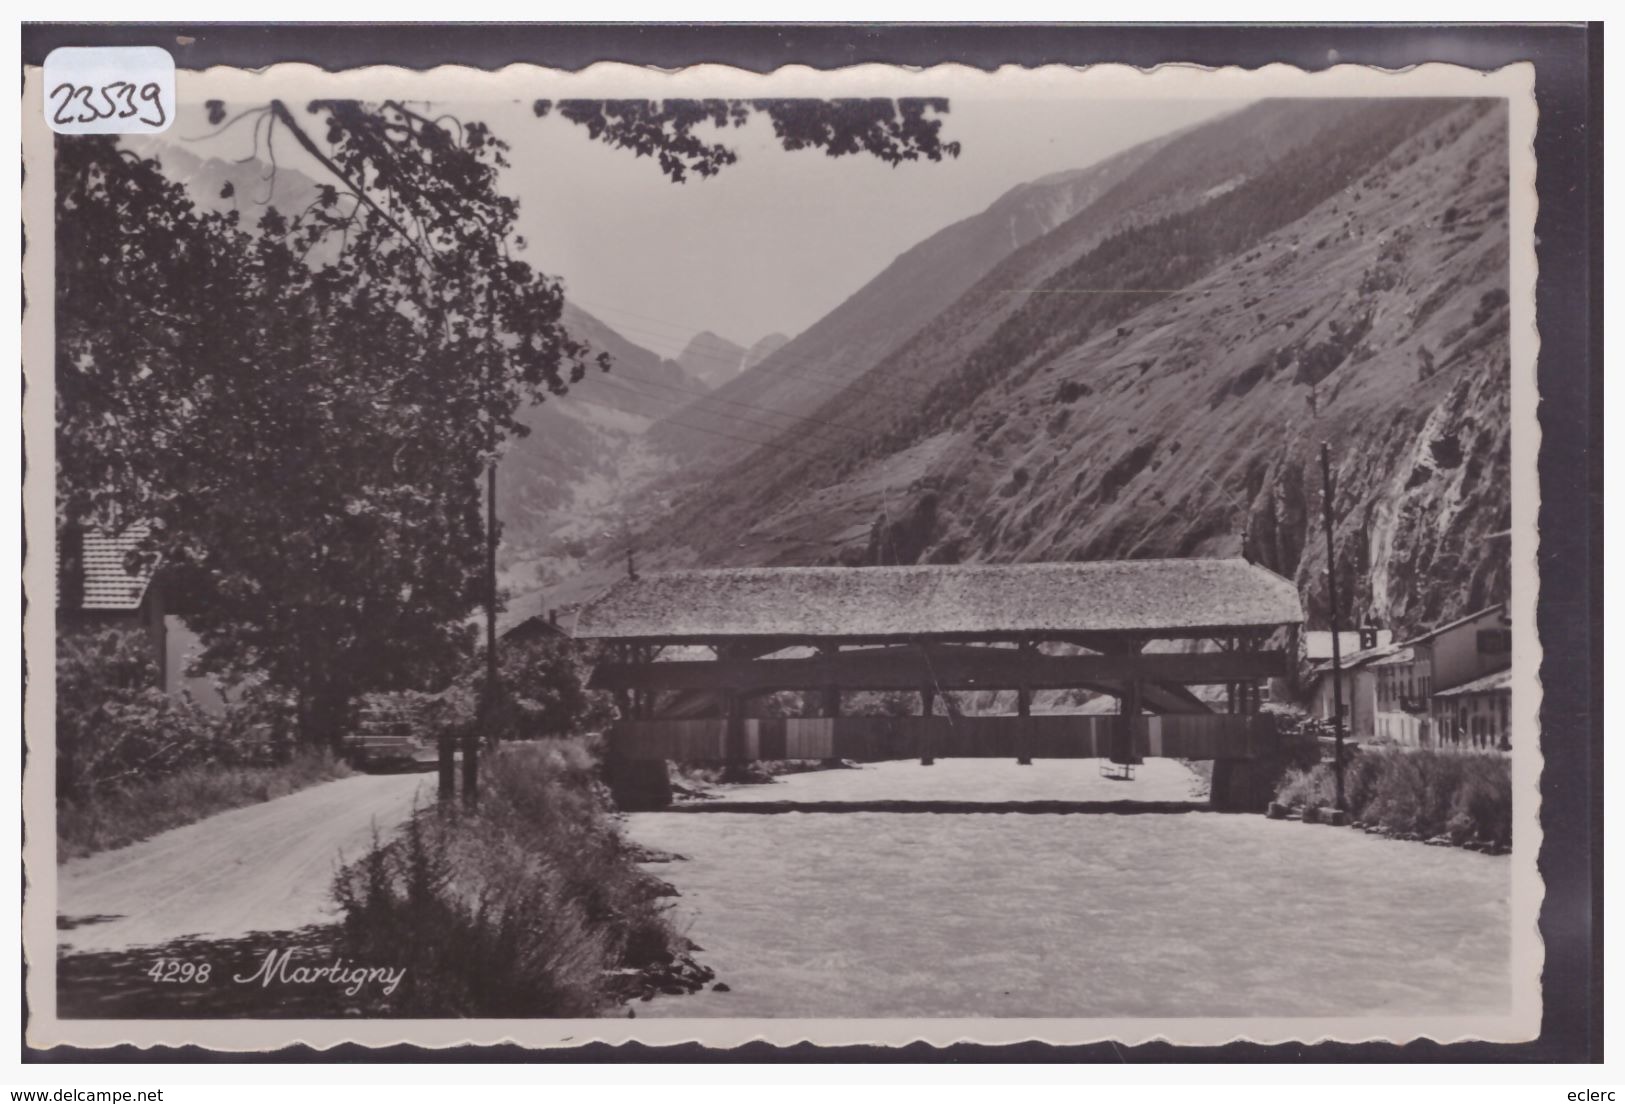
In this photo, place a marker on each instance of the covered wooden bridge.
(1146, 632)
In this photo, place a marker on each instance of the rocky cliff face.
(1154, 377)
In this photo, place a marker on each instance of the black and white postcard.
(856, 556)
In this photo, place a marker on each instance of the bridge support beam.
(928, 701)
(637, 785)
(1243, 785)
(1024, 708)
(734, 771)
(1128, 708)
(831, 696)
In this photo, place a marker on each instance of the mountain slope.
(1154, 377)
(803, 373)
(639, 381)
(581, 446)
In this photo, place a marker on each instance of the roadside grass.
(1465, 797)
(135, 810)
(532, 905)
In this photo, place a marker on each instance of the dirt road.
(267, 867)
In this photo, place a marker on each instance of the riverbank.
(1440, 797)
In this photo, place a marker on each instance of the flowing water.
(1081, 914)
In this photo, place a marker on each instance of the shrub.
(1481, 807)
(114, 723)
(133, 760)
(544, 693)
(531, 906)
(1301, 788)
(1466, 796)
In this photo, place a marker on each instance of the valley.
(1137, 359)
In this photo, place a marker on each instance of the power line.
(711, 432)
(735, 417)
(795, 419)
(692, 395)
(845, 382)
(774, 361)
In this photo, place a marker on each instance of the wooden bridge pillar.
(830, 703)
(637, 785)
(1246, 784)
(447, 769)
(734, 739)
(928, 699)
(1128, 711)
(1024, 708)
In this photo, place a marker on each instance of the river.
(1068, 914)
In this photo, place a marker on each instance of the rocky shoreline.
(1313, 814)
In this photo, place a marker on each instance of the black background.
(1568, 148)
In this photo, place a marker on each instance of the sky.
(775, 241)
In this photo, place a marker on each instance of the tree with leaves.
(300, 408)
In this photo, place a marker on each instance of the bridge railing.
(1183, 736)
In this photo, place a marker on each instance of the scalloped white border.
(1515, 83)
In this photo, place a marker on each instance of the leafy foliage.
(544, 693)
(892, 130)
(113, 722)
(133, 760)
(358, 399)
(300, 409)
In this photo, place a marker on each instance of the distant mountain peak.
(763, 349)
(712, 359)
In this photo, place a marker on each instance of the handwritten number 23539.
(116, 99)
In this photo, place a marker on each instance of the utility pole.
(488, 699)
(488, 696)
(1331, 596)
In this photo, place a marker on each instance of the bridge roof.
(1184, 597)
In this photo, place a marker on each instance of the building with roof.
(1404, 684)
(1391, 692)
(1476, 714)
(1359, 689)
(1452, 656)
(104, 580)
(1317, 643)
